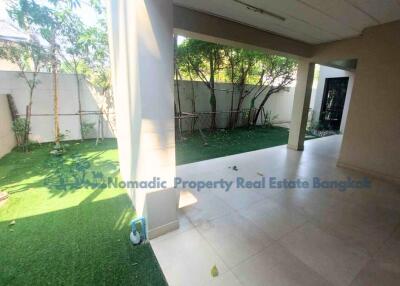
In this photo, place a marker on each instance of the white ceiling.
(311, 21)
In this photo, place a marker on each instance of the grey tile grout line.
(264, 246)
(307, 266)
(237, 211)
(384, 243)
(214, 251)
(293, 230)
(366, 263)
(276, 241)
(230, 268)
(373, 258)
(370, 258)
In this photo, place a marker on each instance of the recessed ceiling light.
(260, 10)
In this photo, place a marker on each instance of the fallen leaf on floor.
(214, 271)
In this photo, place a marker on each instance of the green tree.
(55, 22)
(87, 54)
(31, 58)
(206, 60)
(276, 73)
(46, 21)
(242, 70)
(75, 51)
(97, 61)
(251, 73)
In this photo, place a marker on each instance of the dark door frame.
(339, 115)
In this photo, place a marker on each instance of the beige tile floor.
(284, 237)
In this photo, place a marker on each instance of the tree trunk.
(78, 83)
(236, 116)
(231, 112)
(239, 106)
(213, 100)
(255, 119)
(55, 92)
(28, 120)
(193, 102)
(193, 95)
(178, 94)
(177, 75)
(213, 109)
(56, 119)
(105, 108)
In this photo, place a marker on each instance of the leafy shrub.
(87, 129)
(64, 136)
(269, 119)
(19, 128)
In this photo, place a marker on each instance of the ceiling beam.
(212, 28)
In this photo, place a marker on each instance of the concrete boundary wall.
(7, 138)
(42, 109)
(279, 104)
(42, 127)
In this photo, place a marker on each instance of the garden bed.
(194, 147)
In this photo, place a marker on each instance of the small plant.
(312, 126)
(64, 136)
(19, 128)
(87, 129)
(319, 129)
(58, 149)
(269, 119)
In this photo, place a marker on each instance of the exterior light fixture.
(260, 10)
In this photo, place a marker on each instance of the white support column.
(301, 104)
(141, 45)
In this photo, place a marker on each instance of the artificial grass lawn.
(75, 236)
(74, 233)
(223, 143)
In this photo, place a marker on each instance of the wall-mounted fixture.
(260, 10)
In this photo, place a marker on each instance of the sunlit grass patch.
(70, 236)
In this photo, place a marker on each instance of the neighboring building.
(10, 33)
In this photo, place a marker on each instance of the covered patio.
(286, 236)
(283, 236)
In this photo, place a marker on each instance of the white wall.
(142, 53)
(7, 138)
(328, 72)
(279, 104)
(371, 139)
(42, 108)
(42, 120)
